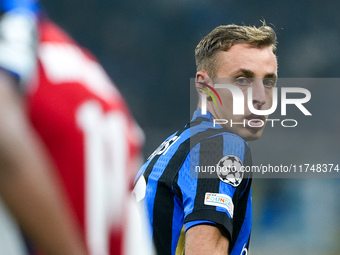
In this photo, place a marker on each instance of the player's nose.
(259, 94)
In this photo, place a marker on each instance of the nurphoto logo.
(238, 103)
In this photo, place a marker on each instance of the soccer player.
(189, 209)
(67, 109)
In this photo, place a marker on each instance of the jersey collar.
(198, 114)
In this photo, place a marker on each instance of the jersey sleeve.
(210, 181)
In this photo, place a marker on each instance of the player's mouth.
(255, 121)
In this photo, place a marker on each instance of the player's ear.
(202, 78)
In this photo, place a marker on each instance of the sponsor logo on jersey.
(220, 200)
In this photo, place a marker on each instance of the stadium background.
(147, 47)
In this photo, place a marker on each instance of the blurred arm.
(27, 183)
(205, 239)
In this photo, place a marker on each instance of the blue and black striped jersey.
(191, 179)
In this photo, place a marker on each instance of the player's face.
(244, 65)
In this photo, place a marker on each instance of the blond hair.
(223, 37)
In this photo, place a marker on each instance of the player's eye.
(269, 83)
(243, 81)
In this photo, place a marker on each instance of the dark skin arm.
(28, 184)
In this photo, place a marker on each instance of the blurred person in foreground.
(196, 212)
(68, 144)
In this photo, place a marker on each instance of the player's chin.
(252, 133)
